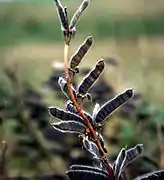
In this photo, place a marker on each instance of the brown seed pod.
(70, 107)
(63, 85)
(79, 54)
(112, 105)
(64, 115)
(91, 147)
(78, 13)
(62, 13)
(70, 127)
(91, 78)
(133, 153)
(118, 164)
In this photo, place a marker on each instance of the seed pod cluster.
(69, 29)
(125, 157)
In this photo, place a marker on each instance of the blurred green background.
(31, 41)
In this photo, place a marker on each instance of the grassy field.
(38, 22)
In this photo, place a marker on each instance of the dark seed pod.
(133, 153)
(156, 175)
(79, 54)
(62, 13)
(91, 78)
(89, 168)
(64, 115)
(95, 110)
(78, 172)
(112, 105)
(119, 163)
(91, 147)
(102, 142)
(78, 13)
(70, 127)
(97, 162)
(63, 85)
(70, 107)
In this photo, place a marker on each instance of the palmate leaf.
(64, 115)
(78, 13)
(112, 105)
(91, 78)
(70, 127)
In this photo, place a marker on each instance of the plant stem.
(79, 110)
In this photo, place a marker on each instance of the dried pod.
(133, 153)
(79, 54)
(63, 85)
(79, 172)
(95, 110)
(91, 78)
(112, 105)
(78, 13)
(102, 142)
(62, 13)
(64, 115)
(91, 147)
(70, 127)
(119, 163)
(97, 162)
(155, 175)
(70, 107)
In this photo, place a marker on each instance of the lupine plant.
(74, 119)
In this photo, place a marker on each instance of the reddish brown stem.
(79, 110)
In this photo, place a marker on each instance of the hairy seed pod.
(118, 164)
(91, 147)
(102, 142)
(155, 175)
(62, 13)
(70, 107)
(82, 172)
(70, 127)
(95, 110)
(133, 153)
(78, 13)
(91, 78)
(112, 105)
(63, 85)
(79, 54)
(64, 115)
